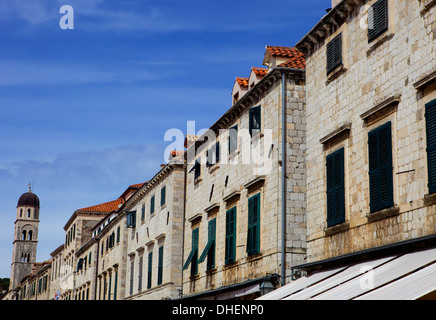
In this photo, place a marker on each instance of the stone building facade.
(233, 219)
(370, 90)
(153, 235)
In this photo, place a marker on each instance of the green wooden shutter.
(160, 266)
(253, 232)
(152, 204)
(380, 168)
(335, 188)
(230, 254)
(430, 121)
(334, 53)
(377, 19)
(150, 265)
(162, 195)
(115, 285)
(211, 250)
(194, 262)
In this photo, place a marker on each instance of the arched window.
(23, 235)
(21, 213)
(28, 213)
(30, 235)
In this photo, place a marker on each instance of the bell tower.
(25, 237)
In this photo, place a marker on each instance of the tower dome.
(28, 199)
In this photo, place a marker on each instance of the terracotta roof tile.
(259, 71)
(243, 82)
(296, 60)
(104, 207)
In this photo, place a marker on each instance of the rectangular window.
(334, 53)
(196, 168)
(209, 250)
(152, 204)
(335, 188)
(377, 19)
(150, 265)
(230, 254)
(141, 261)
(118, 236)
(115, 285)
(193, 255)
(430, 122)
(143, 212)
(380, 168)
(163, 195)
(131, 219)
(213, 155)
(254, 120)
(253, 232)
(132, 266)
(160, 266)
(233, 139)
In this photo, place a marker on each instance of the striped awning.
(408, 276)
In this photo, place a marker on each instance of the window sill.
(338, 228)
(430, 199)
(336, 73)
(212, 271)
(382, 214)
(377, 42)
(213, 167)
(194, 277)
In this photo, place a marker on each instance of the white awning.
(407, 277)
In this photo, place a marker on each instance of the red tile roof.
(259, 71)
(243, 82)
(296, 60)
(104, 207)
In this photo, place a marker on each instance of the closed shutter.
(163, 195)
(377, 19)
(152, 204)
(230, 254)
(380, 168)
(334, 53)
(160, 266)
(233, 138)
(150, 265)
(335, 188)
(253, 232)
(430, 119)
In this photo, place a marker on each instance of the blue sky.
(84, 111)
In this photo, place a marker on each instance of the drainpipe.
(283, 262)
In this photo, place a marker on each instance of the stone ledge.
(382, 214)
(337, 228)
(429, 199)
(336, 73)
(377, 43)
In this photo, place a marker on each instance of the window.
(118, 235)
(140, 267)
(380, 168)
(152, 204)
(233, 139)
(143, 212)
(253, 233)
(334, 53)
(150, 265)
(196, 168)
(377, 19)
(132, 266)
(209, 250)
(213, 155)
(230, 254)
(131, 219)
(335, 188)
(160, 266)
(430, 121)
(163, 195)
(193, 255)
(254, 120)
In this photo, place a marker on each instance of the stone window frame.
(333, 141)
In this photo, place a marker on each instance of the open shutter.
(430, 119)
(254, 119)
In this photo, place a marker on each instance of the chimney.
(335, 2)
